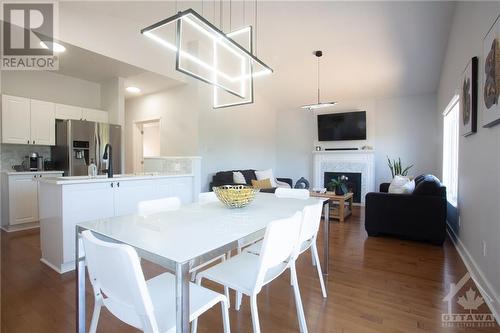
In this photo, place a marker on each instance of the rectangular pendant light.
(318, 105)
(206, 53)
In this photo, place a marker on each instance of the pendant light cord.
(255, 21)
(318, 82)
(230, 14)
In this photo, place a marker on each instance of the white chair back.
(206, 197)
(115, 271)
(311, 220)
(150, 207)
(293, 193)
(279, 245)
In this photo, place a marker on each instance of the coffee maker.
(33, 162)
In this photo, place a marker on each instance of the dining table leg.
(80, 285)
(326, 236)
(182, 297)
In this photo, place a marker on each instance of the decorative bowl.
(235, 196)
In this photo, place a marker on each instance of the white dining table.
(185, 238)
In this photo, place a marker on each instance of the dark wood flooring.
(375, 285)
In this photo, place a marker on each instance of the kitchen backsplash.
(14, 154)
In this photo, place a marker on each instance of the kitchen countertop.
(31, 172)
(103, 178)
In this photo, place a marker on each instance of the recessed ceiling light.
(56, 47)
(134, 90)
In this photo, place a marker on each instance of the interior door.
(15, 120)
(43, 121)
(23, 198)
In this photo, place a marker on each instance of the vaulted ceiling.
(371, 49)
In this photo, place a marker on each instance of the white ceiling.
(371, 49)
(94, 67)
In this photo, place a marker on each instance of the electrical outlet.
(485, 252)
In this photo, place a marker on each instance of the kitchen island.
(66, 201)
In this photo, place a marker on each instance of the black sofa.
(226, 178)
(418, 216)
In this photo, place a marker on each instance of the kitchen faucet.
(110, 159)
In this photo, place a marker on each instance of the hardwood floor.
(375, 285)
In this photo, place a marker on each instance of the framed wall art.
(468, 99)
(490, 67)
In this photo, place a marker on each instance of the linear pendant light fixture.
(319, 104)
(224, 64)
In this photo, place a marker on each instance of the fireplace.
(353, 182)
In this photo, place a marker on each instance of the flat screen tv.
(342, 126)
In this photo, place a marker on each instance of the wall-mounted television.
(342, 126)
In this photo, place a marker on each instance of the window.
(450, 150)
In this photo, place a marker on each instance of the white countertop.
(31, 172)
(103, 178)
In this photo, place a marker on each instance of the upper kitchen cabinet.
(95, 115)
(26, 121)
(69, 112)
(43, 117)
(15, 120)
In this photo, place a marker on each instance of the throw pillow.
(264, 183)
(266, 174)
(429, 185)
(238, 178)
(402, 185)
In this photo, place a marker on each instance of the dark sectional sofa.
(226, 178)
(418, 216)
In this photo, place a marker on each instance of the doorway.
(146, 142)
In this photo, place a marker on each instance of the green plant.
(340, 182)
(397, 168)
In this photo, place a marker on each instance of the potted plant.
(397, 168)
(338, 185)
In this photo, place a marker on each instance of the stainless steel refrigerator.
(78, 142)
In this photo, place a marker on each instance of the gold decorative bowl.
(235, 196)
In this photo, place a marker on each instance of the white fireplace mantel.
(361, 161)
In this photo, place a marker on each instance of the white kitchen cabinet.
(64, 203)
(15, 120)
(43, 119)
(128, 194)
(20, 196)
(69, 112)
(95, 115)
(26, 121)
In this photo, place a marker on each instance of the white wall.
(229, 138)
(479, 158)
(399, 127)
(51, 87)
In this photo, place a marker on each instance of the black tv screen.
(342, 126)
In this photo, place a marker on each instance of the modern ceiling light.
(133, 90)
(223, 62)
(56, 47)
(318, 105)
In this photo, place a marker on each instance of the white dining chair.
(308, 236)
(119, 285)
(295, 193)
(248, 273)
(150, 207)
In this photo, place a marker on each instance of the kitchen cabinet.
(28, 121)
(70, 112)
(65, 203)
(42, 123)
(15, 120)
(95, 115)
(20, 196)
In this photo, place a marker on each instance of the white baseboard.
(20, 227)
(485, 288)
(64, 268)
